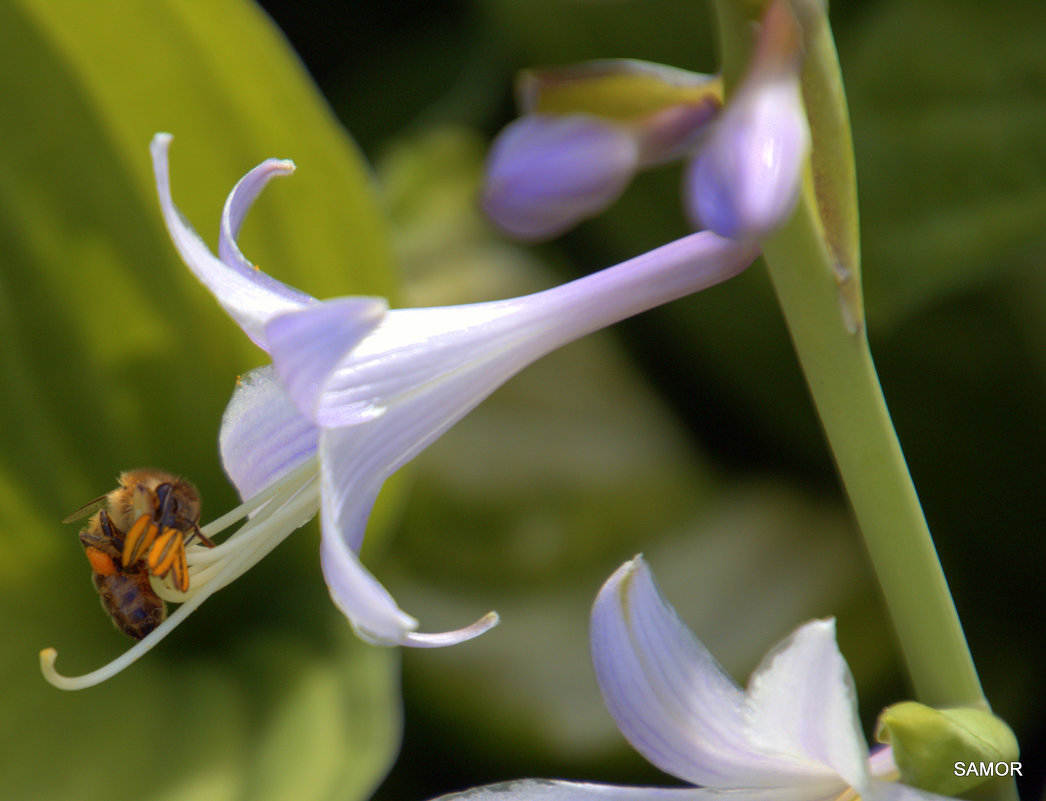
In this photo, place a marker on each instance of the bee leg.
(109, 540)
(139, 538)
(102, 563)
(168, 549)
(180, 571)
(203, 538)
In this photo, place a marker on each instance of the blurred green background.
(686, 433)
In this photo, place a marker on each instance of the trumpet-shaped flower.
(355, 391)
(793, 735)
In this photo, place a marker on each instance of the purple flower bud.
(546, 173)
(745, 181)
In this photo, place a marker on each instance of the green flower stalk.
(814, 265)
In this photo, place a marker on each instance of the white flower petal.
(248, 295)
(444, 638)
(881, 764)
(350, 487)
(801, 701)
(672, 700)
(370, 608)
(477, 346)
(263, 436)
(238, 203)
(546, 790)
(413, 350)
(308, 345)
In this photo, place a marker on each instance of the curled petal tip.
(249, 296)
(481, 626)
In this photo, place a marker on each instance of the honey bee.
(141, 532)
(126, 593)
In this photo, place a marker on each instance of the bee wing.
(87, 509)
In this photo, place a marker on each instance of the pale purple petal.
(247, 295)
(443, 638)
(667, 110)
(473, 348)
(411, 350)
(349, 489)
(237, 204)
(373, 613)
(881, 764)
(672, 700)
(801, 701)
(745, 181)
(546, 173)
(546, 790)
(307, 346)
(263, 436)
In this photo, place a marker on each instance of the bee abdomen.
(130, 601)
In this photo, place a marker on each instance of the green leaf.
(115, 357)
(945, 99)
(675, 32)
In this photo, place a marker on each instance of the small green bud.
(934, 748)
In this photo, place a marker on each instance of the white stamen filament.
(296, 499)
(206, 564)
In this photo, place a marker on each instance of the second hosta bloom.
(793, 735)
(355, 391)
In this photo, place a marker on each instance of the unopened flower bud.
(745, 181)
(586, 130)
(934, 748)
(546, 173)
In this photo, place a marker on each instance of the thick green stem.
(814, 265)
(846, 391)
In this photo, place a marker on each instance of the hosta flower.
(793, 735)
(355, 391)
